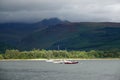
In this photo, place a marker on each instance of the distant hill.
(76, 36)
(51, 21)
(53, 32)
(13, 33)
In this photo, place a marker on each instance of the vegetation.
(1, 56)
(36, 53)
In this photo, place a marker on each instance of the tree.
(1, 56)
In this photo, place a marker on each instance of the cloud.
(72, 10)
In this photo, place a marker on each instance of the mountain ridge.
(48, 34)
(58, 34)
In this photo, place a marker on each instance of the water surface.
(41, 70)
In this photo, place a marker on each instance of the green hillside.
(53, 33)
(75, 36)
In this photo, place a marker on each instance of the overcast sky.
(72, 10)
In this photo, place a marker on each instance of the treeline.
(36, 53)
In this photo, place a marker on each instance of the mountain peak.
(52, 21)
(56, 19)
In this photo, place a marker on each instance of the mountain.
(51, 21)
(75, 36)
(13, 33)
(53, 32)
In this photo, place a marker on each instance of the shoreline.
(58, 59)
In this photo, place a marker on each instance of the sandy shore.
(58, 59)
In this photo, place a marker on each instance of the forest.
(59, 54)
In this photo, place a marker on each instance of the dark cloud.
(73, 10)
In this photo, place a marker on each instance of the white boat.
(62, 61)
(58, 61)
(49, 60)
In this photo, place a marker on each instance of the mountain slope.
(12, 33)
(75, 36)
(53, 32)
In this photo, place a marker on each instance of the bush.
(12, 54)
(16, 54)
(1, 56)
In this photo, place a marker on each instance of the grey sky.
(72, 10)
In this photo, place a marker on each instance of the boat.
(49, 60)
(71, 62)
(62, 61)
(58, 62)
(55, 61)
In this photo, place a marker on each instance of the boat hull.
(71, 62)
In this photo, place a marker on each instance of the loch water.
(41, 70)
